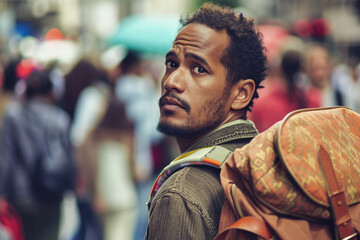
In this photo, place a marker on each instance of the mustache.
(183, 104)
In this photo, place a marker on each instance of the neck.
(185, 142)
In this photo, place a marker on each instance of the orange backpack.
(300, 179)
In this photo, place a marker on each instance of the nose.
(174, 81)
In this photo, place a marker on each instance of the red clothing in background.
(275, 102)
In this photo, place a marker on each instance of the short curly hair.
(244, 58)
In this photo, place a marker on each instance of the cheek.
(202, 102)
(210, 110)
(202, 94)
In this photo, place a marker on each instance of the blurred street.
(105, 61)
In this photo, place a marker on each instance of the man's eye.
(170, 64)
(200, 70)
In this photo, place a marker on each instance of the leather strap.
(249, 224)
(337, 199)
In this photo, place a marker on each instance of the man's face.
(194, 90)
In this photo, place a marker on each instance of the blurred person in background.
(35, 150)
(83, 74)
(283, 95)
(56, 75)
(318, 70)
(10, 80)
(139, 94)
(345, 79)
(104, 138)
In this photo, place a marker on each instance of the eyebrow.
(171, 53)
(189, 55)
(198, 58)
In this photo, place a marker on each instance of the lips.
(170, 101)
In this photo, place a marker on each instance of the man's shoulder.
(193, 183)
(194, 197)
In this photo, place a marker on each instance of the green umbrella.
(147, 33)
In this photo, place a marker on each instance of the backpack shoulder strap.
(214, 156)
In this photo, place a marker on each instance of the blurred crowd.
(303, 74)
(110, 116)
(110, 122)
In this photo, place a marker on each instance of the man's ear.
(243, 92)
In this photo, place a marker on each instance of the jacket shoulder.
(193, 181)
(197, 193)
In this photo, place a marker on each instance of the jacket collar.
(231, 131)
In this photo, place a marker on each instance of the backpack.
(54, 171)
(300, 179)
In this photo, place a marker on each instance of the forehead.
(202, 39)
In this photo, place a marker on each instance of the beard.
(207, 118)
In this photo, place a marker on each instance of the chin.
(184, 130)
(169, 129)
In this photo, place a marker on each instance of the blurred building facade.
(87, 21)
(92, 20)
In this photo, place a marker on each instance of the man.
(213, 71)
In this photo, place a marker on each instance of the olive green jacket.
(188, 204)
